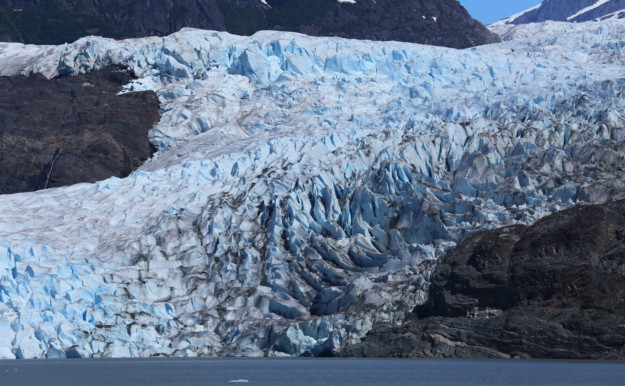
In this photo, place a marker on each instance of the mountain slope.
(440, 22)
(303, 187)
(569, 11)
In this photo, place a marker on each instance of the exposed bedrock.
(68, 130)
(555, 289)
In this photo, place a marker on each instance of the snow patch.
(587, 9)
(511, 19)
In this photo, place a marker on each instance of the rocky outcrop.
(555, 289)
(71, 129)
(441, 22)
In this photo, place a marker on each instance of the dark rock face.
(72, 129)
(555, 289)
(440, 22)
(561, 10)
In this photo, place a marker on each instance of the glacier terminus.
(304, 187)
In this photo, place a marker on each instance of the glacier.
(303, 187)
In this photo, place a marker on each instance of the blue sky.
(489, 11)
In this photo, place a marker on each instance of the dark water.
(235, 371)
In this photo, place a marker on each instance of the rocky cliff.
(67, 130)
(555, 289)
(440, 22)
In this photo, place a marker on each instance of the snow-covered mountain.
(569, 11)
(303, 188)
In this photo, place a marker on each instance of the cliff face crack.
(57, 154)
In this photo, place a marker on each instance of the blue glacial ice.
(304, 187)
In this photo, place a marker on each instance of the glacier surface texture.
(303, 188)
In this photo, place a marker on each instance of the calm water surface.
(326, 371)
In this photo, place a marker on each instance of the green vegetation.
(179, 12)
(57, 22)
(48, 24)
(291, 14)
(7, 26)
(240, 20)
(288, 15)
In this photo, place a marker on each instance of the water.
(322, 371)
